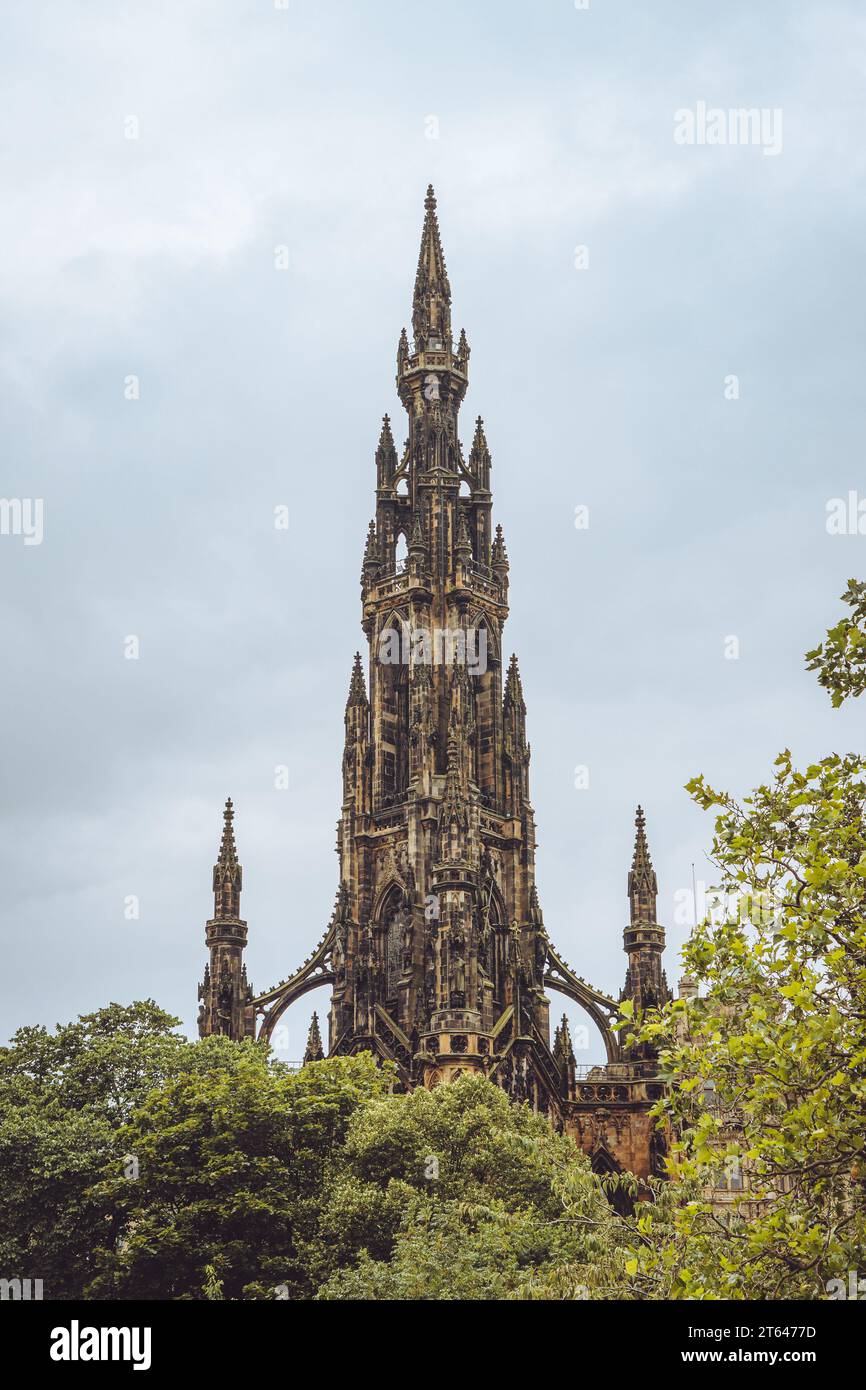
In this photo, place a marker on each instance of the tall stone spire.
(227, 872)
(431, 301)
(642, 882)
(437, 950)
(225, 993)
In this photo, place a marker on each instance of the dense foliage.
(459, 1194)
(767, 1066)
(139, 1165)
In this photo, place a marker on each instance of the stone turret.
(226, 996)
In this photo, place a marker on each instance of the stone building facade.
(436, 951)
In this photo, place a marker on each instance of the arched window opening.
(393, 713)
(487, 686)
(401, 554)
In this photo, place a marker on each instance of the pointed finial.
(499, 555)
(417, 544)
(386, 438)
(371, 551)
(357, 686)
(386, 454)
(514, 685)
(228, 851)
(563, 1049)
(314, 1050)
(641, 858)
(479, 455)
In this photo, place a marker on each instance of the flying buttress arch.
(316, 970)
(603, 1010)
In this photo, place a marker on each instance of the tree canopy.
(767, 1064)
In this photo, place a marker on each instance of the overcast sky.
(317, 127)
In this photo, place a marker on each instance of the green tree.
(460, 1194)
(138, 1163)
(63, 1099)
(231, 1165)
(767, 1066)
(840, 659)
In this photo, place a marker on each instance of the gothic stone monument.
(436, 951)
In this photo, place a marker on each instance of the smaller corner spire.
(370, 564)
(499, 555)
(479, 457)
(314, 1050)
(386, 455)
(513, 683)
(357, 685)
(563, 1048)
(386, 438)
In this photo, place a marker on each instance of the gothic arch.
(390, 922)
(398, 618)
(494, 913)
(487, 689)
(393, 881)
(481, 618)
(492, 895)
